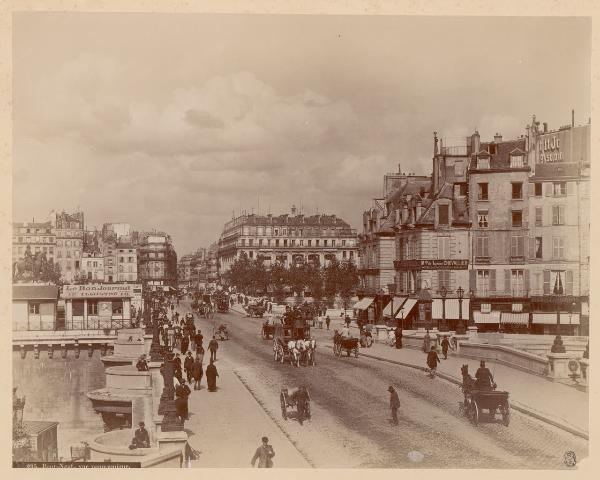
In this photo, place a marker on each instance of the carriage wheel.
(506, 414)
(283, 407)
(476, 413)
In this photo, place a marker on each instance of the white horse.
(311, 346)
(294, 353)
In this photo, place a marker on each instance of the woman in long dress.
(197, 372)
(211, 377)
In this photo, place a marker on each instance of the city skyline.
(179, 142)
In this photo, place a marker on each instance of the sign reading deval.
(550, 149)
(97, 291)
(432, 264)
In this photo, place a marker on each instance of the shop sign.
(97, 291)
(433, 264)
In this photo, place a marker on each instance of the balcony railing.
(511, 293)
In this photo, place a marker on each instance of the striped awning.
(492, 317)
(544, 318)
(405, 310)
(452, 309)
(514, 318)
(398, 302)
(363, 304)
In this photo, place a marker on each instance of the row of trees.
(36, 268)
(253, 277)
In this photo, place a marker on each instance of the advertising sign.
(433, 264)
(569, 145)
(97, 291)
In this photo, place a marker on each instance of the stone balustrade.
(506, 355)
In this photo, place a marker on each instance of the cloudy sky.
(177, 121)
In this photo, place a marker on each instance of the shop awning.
(492, 317)
(569, 319)
(363, 304)
(544, 318)
(398, 302)
(452, 309)
(405, 310)
(514, 318)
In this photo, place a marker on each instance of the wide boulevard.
(350, 424)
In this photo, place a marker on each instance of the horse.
(311, 346)
(294, 353)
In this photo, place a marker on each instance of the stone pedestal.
(559, 365)
(381, 332)
(170, 441)
(472, 332)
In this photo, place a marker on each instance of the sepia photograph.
(319, 241)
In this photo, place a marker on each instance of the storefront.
(452, 310)
(34, 307)
(97, 307)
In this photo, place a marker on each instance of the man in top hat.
(483, 378)
(394, 404)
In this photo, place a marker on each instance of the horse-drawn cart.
(349, 345)
(289, 344)
(255, 310)
(476, 400)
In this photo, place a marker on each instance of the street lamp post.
(460, 328)
(443, 292)
(392, 291)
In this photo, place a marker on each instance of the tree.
(278, 277)
(297, 278)
(348, 280)
(314, 281)
(331, 281)
(259, 277)
(240, 273)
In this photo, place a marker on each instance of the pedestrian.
(185, 342)
(141, 438)
(199, 338)
(394, 404)
(398, 335)
(327, 321)
(197, 372)
(348, 321)
(445, 344)
(177, 368)
(200, 353)
(187, 366)
(426, 341)
(264, 454)
(142, 364)
(213, 346)
(432, 361)
(183, 391)
(211, 377)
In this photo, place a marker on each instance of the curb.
(513, 404)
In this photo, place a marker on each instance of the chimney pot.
(545, 127)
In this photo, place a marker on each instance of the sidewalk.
(226, 426)
(563, 406)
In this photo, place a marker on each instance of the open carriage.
(222, 303)
(476, 400)
(349, 345)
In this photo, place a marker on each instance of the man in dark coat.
(199, 338)
(185, 343)
(177, 368)
(213, 345)
(394, 404)
(141, 438)
(187, 366)
(484, 379)
(432, 361)
(445, 344)
(327, 321)
(264, 455)
(211, 377)
(197, 372)
(183, 391)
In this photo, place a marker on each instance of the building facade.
(39, 237)
(34, 307)
(157, 260)
(127, 268)
(92, 267)
(287, 239)
(69, 230)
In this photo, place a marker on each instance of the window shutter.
(546, 282)
(531, 247)
(492, 280)
(569, 282)
(570, 188)
(472, 280)
(507, 281)
(526, 281)
(548, 187)
(521, 246)
(440, 278)
(555, 210)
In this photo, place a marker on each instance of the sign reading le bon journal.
(97, 291)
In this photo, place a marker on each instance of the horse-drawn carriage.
(222, 303)
(268, 330)
(255, 310)
(341, 343)
(292, 344)
(205, 307)
(477, 399)
(300, 399)
(222, 333)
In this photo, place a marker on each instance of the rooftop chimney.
(545, 127)
(572, 118)
(497, 138)
(293, 209)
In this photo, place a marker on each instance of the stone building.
(92, 267)
(39, 237)
(157, 261)
(69, 230)
(287, 239)
(126, 259)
